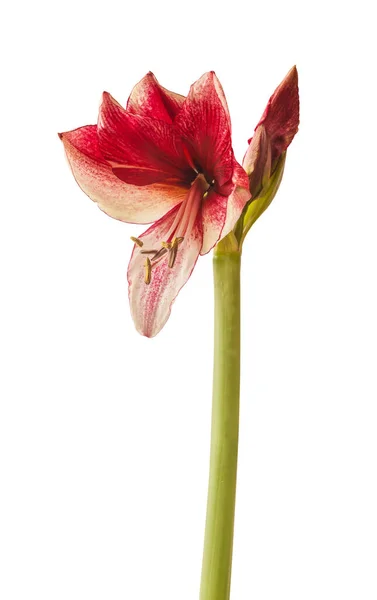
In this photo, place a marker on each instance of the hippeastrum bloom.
(164, 159)
(168, 159)
(265, 157)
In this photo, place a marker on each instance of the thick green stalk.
(218, 542)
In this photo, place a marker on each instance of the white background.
(104, 435)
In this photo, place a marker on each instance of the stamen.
(148, 271)
(180, 229)
(192, 205)
(160, 253)
(137, 241)
(172, 255)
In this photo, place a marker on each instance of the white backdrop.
(104, 435)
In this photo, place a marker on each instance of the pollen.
(168, 250)
(147, 271)
(137, 241)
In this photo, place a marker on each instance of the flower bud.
(265, 157)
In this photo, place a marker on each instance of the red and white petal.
(214, 211)
(256, 152)
(204, 123)
(221, 213)
(119, 200)
(149, 99)
(282, 114)
(129, 140)
(151, 303)
(257, 160)
(237, 199)
(142, 176)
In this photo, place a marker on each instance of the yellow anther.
(148, 271)
(137, 241)
(166, 245)
(176, 241)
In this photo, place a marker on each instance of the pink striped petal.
(151, 303)
(119, 200)
(213, 214)
(221, 213)
(150, 99)
(257, 160)
(282, 114)
(129, 140)
(204, 123)
(237, 199)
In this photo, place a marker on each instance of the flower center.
(180, 229)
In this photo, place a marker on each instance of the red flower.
(169, 158)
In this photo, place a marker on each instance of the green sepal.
(258, 205)
(227, 245)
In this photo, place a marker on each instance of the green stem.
(218, 542)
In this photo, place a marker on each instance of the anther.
(160, 253)
(172, 254)
(148, 271)
(166, 245)
(137, 241)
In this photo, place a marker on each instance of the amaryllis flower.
(164, 159)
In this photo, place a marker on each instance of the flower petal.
(221, 213)
(150, 99)
(282, 114)
(237, 199)
(204, 123)
(140, 142)
(151, 303)
(142, 176)
(119, 200)
(213, 215)
(257, 160)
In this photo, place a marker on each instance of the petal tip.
(108, 98)
(282, 114)
(291, 79)
(288, 85)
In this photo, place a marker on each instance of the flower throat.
(180, 229)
